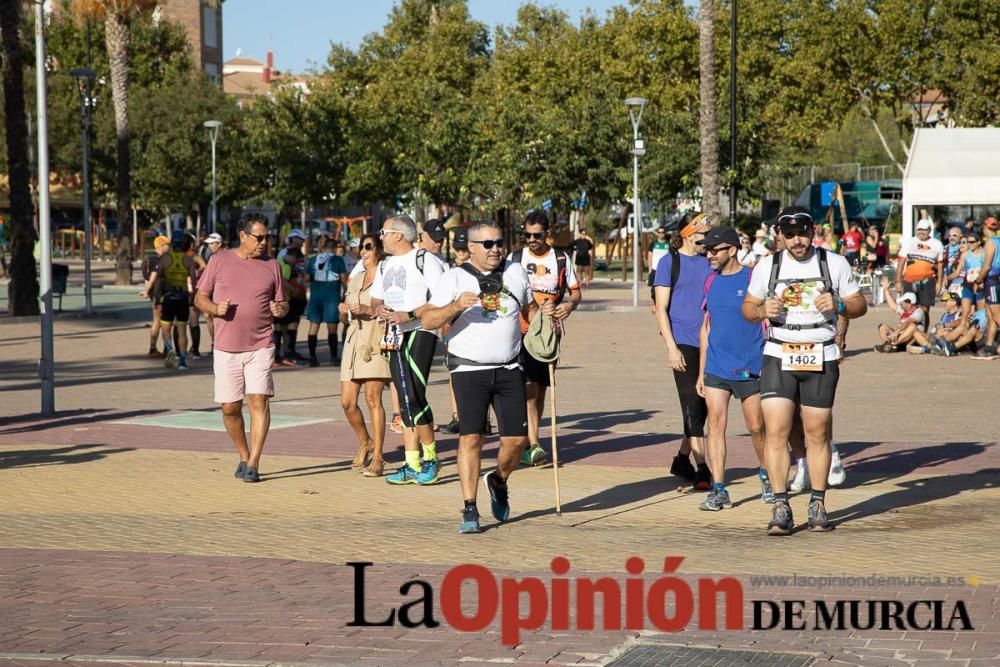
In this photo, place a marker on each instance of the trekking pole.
(555, 450)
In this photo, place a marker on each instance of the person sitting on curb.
(948, 329)
(910, 319)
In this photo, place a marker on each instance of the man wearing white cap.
(910, 319)
(920, 268)
(353, 254)
(295, 239)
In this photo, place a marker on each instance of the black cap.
(461, 239)
(720, 236)
(435, 229)
(794, 216)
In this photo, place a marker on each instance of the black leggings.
(693, 407)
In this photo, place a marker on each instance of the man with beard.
(800, 291)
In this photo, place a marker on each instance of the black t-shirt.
(582, 248)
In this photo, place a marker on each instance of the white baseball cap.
(213, 238)
(354, 243)
(908, 296)
(297, 234)
(925, 224)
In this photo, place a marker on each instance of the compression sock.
(430, 451)
(413, 459)
(331, 340)
(196, 340)
(312, 346)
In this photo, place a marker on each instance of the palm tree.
(22, 292)
(117, 16)
(708, 120)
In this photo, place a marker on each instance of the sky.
(300, 31)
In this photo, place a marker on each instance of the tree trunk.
(22, 291)
(118, 37)
(708, 120)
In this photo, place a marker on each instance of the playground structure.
(865, 202)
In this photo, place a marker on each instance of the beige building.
(202, 20)
(246, 78)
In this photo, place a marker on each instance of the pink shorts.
(240, 373)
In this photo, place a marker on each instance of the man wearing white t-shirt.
(483, 302)
(552, 278)
(400, 292)
(800, 291)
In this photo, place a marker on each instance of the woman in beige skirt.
(363, 363)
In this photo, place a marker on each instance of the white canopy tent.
(952, 168)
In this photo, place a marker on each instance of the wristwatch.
(412, 315)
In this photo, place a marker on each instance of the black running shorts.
(925, 291)
(534, 370)
(410, 366)
(175, 307)
(503, 388)
(694, 411)
(739, 388)
(811, 389)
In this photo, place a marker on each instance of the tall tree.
(708, 114)
(22, 291)
(117, 16)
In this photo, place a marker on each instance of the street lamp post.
(46, 364)
(213, 134)
(636, 105)
(732, 116)
(85, 79)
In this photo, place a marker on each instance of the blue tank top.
(995, 265)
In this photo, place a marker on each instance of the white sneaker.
(801, 480)
(837, 474)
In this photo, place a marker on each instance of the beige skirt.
(362, 359)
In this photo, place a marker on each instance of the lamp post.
(46, 366)
(636, 105)
(85, 79)
(732, 116)
(213, 134)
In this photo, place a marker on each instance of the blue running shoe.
(499, 496)
(428, 472)
(405, 475)
(716, 500)
(470, 521)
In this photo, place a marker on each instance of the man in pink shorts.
(242, 289)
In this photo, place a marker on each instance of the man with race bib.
(800, 291)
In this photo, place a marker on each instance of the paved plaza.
(124, 538)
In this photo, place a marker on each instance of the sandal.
(375, 468)
(361, 458)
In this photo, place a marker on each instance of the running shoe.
(428, 472)
(250, 474)
(195, 356)
(451, 427)
(766, 492)
(984, 354)
(396, 425)
(801, 480)
(240, 469)
(781, 522)
(681, 467)
(405, 475)
(533, 455)
(499, 496)
(313, 362)
(182, 366)
(288, 361)
(837, 474)
(470, 521)
(818, 521)
(703, 479)
(716, 500)
(918, 349)
(170, 361)
(153, 352)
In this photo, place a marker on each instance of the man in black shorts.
(175, 274)
(800, 291)
(483, 303)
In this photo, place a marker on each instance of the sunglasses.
(383, 232)
(489, 244)
(798, 217)
(534, 235)
(717, 249)
(260, 238)
(368, 246)
(965, 242)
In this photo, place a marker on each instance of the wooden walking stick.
(555, 450)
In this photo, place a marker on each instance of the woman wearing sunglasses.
(967, 270)
(363, 365)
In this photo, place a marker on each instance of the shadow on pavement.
(881, 466)
(73, 418)
(600, 421)
(74, 373)
(30, 458)
(918, 492)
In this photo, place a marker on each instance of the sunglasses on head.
(489, 244)
(795, 218)
(534, 235)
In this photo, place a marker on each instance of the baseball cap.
(461, 239)
(177, 238)
(794, 217)
(160, 240)
(296, 234)
(354, 243)
(697, 225)
(909, 296)
(434, 229)
(717, 236)
(925, 224)
(991, 223)
(213, 238)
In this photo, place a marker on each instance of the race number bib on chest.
(802, 357)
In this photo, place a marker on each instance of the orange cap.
(160, 240)
(697, 225)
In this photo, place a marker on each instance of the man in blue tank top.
(990, 279)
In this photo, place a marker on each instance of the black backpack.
(562, 263)
(824, 277)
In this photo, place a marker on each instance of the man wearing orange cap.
(150, 271)
(990, 279)
(679, 290)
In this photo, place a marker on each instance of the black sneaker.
(703, 479)
(499, 496)
(818, 522)
(313, 362)
(451, 427)
(240, 469)
(470, 521)
(781, 522)
(681, 467)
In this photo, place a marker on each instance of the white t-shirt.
(746, 257)
(916, 315)
(402, 287)
(760, 249)
(921, 258)
(485, 336)
(800, 298)
(543, 273)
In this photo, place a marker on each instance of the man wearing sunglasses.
(243, 290)
(552, 279)
(483, 303)
(403, 285)
(800, 291)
